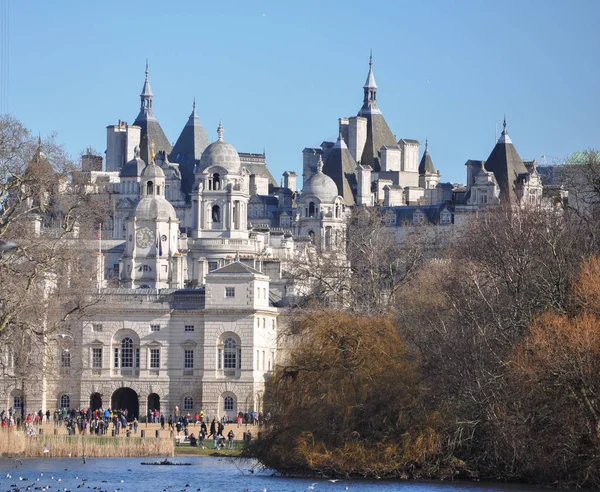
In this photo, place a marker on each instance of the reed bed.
(15, 443)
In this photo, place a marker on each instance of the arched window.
(216, 213)
(149, 188)
(230, 354)
(188, 403)
(228, 403)
(214, 183)
(312, 235)
(65, 401)
(311, 209)
(127, 352)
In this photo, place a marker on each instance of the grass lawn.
(185, 449)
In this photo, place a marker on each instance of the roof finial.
(504, 124)
(371, 60)
(426, 144)
(220, 130)
(320, 164)
(146, 68)
(194, 105)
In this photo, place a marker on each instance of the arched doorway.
(95, 401)
(153, 402)
(126, 399)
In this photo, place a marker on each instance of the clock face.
(163, 238)
(144, 237)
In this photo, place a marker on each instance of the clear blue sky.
(279, 74)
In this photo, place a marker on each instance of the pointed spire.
(426, 165)
(220, 130)
(504, 138)
(370, 83)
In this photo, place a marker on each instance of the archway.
(126, 399)
(154, 402)
(95, 401)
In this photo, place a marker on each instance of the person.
(213, 428)
(135, 425)
(193, 440)
(170, 421)
(162, 421)
(201, 415)
(238, 419)
(215, 440)
(202, 436)
(230, 436)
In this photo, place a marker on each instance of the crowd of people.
(106, 421)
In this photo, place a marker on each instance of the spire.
(370, 83)
(220, 131)
(146, 95)
(504, 138)
(426, 165)
(370, 92)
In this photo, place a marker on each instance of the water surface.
(205, 474)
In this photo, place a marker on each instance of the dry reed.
(15, 443)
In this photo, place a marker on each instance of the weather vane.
(152, 147)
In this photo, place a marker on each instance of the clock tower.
(152, 259)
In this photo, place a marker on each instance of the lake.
(205, 474)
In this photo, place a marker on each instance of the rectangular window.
(65, 358)
(116, 359)
(212, 265)
(96, 327)
(97, 358)
(229, 291)
(137, 357)
(189, 328)
(154, 327)
(188, 359)
(220, 359)
(154, 358)
(263, 360)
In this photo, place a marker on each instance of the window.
(188, 403)
(154, 327)
(96, 327)
(116, 360)
(229, 291)
(483, 197)
(126, 352)
(230, 354)
(189, 328)
(188, 359)
(257, 360)
(146, 268)
(264, 322)
(97, 358)
(154, 358)
(65, 401)
(18, 402)
(212, 265)
(216, 214)
(228, 403)
(65, 358)
(445, 218)
(418, 218)
(263, 360)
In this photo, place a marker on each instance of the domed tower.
(321, 211)
(151, 258)
(220, 198)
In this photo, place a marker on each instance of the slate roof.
(341, 167)
(188, 149)
(507, 165)
(378, 135)
(256, 164)
(426, 164)
(432, 213)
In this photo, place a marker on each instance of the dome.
(320, 185)
(154, 207)
(153, 171)
(133, 168)
(222, 154)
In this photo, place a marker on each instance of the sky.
(280, 74)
